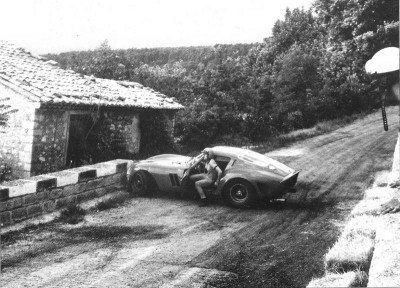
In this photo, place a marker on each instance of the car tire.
(142, 184)
(239, 193)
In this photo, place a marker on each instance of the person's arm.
(219, 171)
(214, 165)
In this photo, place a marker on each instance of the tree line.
(310, 69)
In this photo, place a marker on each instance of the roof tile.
(50, 84)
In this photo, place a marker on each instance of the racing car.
(247, 176)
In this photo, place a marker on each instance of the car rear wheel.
(142, 184)
(239, 193)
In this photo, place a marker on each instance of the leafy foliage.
(155, 136)
(311, 69)
(5, 172)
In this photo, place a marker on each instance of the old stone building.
(47, 113)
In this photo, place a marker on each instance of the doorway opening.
(78, 148)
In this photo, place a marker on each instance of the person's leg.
(196, 177)
(201, 181)
(199, 187)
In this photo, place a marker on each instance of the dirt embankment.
(170, 242)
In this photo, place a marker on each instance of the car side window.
(222, 161)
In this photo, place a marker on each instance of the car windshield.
(194, 159)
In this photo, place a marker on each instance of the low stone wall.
(26, 198)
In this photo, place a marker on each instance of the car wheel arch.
(235, 178)
(149, 176)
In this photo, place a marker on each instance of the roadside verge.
(367, 253)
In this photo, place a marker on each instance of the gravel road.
(166, 241)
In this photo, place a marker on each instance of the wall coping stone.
(65, 177)
(62, 178)
(19, 187)
(85, 173)
(105, 168)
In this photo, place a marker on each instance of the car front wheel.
(239, 193)
(141, 183)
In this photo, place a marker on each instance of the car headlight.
(271, 167)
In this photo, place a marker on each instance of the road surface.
(166, 241)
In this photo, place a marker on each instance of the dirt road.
(171, 242)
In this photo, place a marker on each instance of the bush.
(5, 172)
(73, 214)
(111, 202)
(155, 134)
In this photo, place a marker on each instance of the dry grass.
(385, 268)
(350, 253)
(73, 214)
(111, 202)
(380, 193)
(363, 225)
(373, 199)
(349, 279)
(368, 207)
(381, 179)
(301, 134)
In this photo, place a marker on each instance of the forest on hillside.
(311, 69)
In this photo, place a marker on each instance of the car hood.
(165, 160)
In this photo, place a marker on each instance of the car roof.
(228, 151)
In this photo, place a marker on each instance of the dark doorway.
(79, 127)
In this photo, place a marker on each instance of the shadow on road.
(36, 240)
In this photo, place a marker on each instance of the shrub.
(155, 134)
(5, 172)
(111, 202)
(73, 214)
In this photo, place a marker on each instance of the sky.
(53, 26)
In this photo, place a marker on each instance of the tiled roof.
(49, 84)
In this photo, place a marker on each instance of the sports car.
(247, 176)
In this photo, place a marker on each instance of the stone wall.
(122, 127)
(35, 140)
(26, 198)
(16, 137)
(119, 128)
(50, 141)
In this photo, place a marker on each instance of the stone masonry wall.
(16, 137)
(123, 128)
(27, 198)
(50, 141)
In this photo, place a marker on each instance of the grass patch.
(354, 249)
(302, 134)
(385, 268)
(363, 225)
(350, 253)
(111, 202)
(73, 214)
(349, 279)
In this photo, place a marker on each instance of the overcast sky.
(44, 26)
